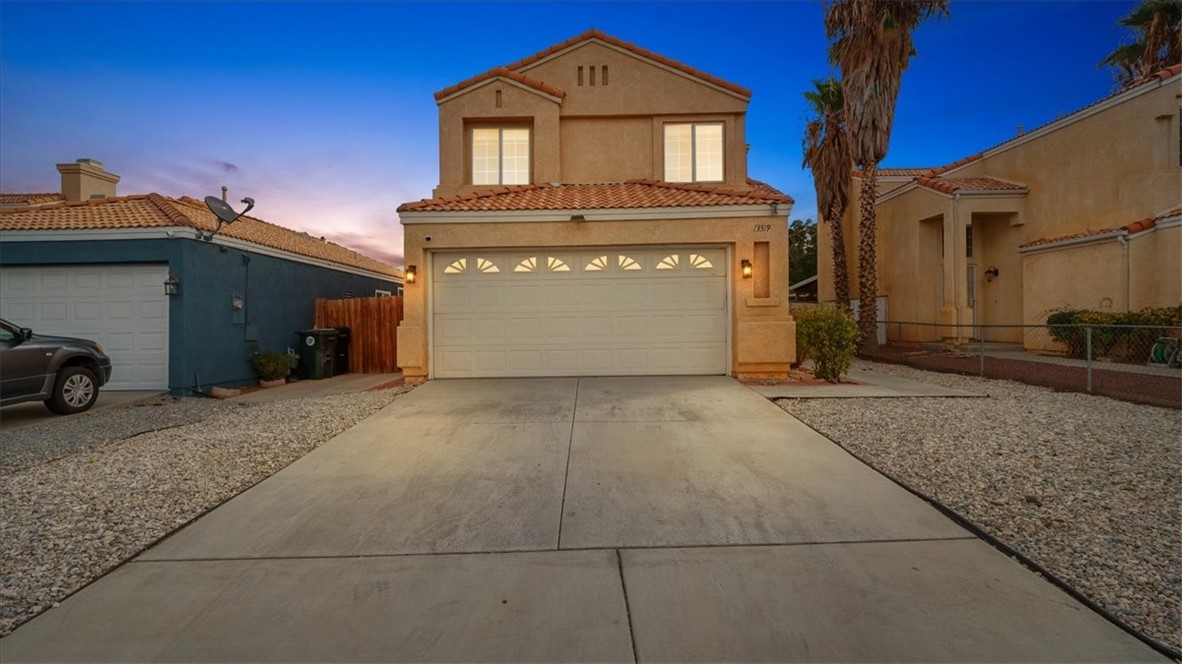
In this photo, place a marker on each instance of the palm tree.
(1157, 41)
(827, 155)
(872, 45)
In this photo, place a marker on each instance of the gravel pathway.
(54, 439)
(120, 481)
(1088, 487)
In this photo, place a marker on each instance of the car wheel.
(75, 391)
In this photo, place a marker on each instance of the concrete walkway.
(595, 519)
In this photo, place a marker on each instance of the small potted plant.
(272, 368)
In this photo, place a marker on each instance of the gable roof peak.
(514, 71)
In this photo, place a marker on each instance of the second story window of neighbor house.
(693, 152)
(500, 156)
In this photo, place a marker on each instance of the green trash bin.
(318, 349)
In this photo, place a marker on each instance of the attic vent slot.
(604, 77)
(592, 76)
(498, 98)
(580, 76)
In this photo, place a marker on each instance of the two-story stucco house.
(594, 217)
(1084, 212)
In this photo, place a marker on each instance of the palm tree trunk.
(867, 261)
(841, 270)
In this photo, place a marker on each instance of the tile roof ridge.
(1168, 212)
(595, 33)
(502, 71)
(165, 205)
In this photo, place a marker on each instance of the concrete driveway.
(594, 519)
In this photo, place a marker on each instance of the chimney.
(85, 179)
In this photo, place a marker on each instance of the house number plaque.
(762, 228)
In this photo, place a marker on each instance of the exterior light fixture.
(990, 273)
(747, 269)
(410, 274)
(172, 286)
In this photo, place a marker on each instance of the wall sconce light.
(990, 273)
(747, 269)
(172, 286)
(410, 274)
(237, 302)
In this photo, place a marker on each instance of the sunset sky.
(323, 112)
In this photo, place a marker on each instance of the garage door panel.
(527, 360)
(453, 328)
(588, 312)
(123, 307)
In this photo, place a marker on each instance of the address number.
(762, 228)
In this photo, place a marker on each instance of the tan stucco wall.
(635, 86)
(1101, 172)
(1104, 171)
(607, 149)
(1149, 286)
(763, 334)
(600, 133)
(478, 106)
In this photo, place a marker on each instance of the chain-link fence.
(1138, 363)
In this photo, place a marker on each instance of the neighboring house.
(594, 217)
(96, 266)
(804, 290)
(1082, 212)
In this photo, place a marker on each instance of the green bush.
(828, 337)
(271, 366)
(1106, 333)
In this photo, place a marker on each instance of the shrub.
(828, 337)
(271, 366)
(1106, 333)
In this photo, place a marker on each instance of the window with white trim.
(500, 155)
(693, 152)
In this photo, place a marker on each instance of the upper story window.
(500, 156)
(693, 152)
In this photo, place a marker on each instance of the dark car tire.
(75, 390)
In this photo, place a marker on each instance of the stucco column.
(954, 309)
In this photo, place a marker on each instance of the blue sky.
(323, 112)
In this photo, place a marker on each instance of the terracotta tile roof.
(953, 185)
(506, 73)
(30, 199)
(612, 195)
(900, 172)
(1131, 228)
(156, 211)
(591, 34)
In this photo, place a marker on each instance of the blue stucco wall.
(210, 343)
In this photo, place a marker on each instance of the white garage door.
(123, 307)
(580, 312)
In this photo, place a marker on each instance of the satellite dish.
(221, 208)
(225, 213)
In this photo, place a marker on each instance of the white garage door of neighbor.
(123, 307)
(580, 312)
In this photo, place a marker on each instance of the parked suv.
(63, 372)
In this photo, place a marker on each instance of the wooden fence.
(373, 324)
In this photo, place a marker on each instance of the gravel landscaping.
(79, 496)
(1088, 487)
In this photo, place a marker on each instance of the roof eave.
(591, 215)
